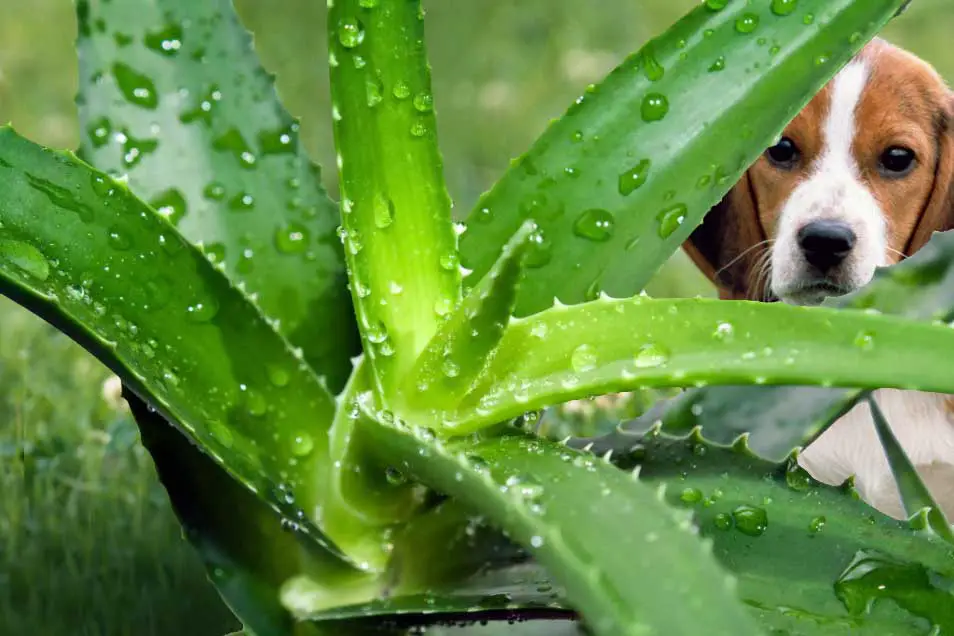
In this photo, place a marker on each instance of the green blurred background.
(88, 545)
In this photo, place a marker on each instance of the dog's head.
(861, 178)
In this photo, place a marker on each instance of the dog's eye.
(784, 154)
(897, 161)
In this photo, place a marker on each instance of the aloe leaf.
(454, 359)
(620, 181)
(571, 352)
(558, 504)
(79, 250)
(172, 94)
(810, 559)
(920, 287)
(248, 549)
(915, 495)
(400, 244)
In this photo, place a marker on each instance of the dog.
(860, 178)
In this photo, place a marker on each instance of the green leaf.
(809, 558)
(624, 177)
(915, 495)
(399, 241)
(774, 419)
(561, 505)
(79, 250)
(572, 352)
(920, 287)
(258, 559)
(454, 359)
(248, 549)
(172, 94)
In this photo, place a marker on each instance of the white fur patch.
(851, 447)
(833, 191)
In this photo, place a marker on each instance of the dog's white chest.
(924, 426)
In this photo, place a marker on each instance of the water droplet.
(233, 142)
(539, 329)
(277, 375)
(135, 87)
(691, 495)
(583, 359)
(539, 250)
(595, 225)
(214, 191)
(748, 23)
(655, 106)
(350, 33)
(450, 368)
(202, 309)
(292, 238)
(394, 477)
(653, 70)
(865, 341)
(418, 129)
(423, 102)
(401, 90)
(784, 7)
(718, 65)
(376, 332)
(484, 215)
(302, 445)
(170, 204)
(750, 520)
(723, 521)
(166, 41)
(443, 306)
(368, 4)
(716, 5)
(99, 131)
(536, 541)
(815, 525)
(809, 19)
(670, 219)
(242, 202)
(448, 261)
(650, 356)
(374, 90)
(118, 239)
(821, 60)
(724, 332)
(634, 178)
(25, 257)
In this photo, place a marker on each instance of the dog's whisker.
(742, 255)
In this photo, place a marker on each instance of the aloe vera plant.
(340, 416)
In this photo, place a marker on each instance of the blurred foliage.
(88, 545)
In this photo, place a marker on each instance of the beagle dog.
(861, 178)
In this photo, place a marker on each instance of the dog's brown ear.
(729, 245)
(938, 214)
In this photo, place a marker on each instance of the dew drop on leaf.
(650, 356)
(350, 33)
(401, 90)
(595, 225)
(691, 495)
(655, 106)
(368, 4)
(724, 332)
(784, 7)
(450, 368)
(166, 41)
(118, 239)
(670, 219)
(292, 238)
(377, 332)
(170, 204)
(221, 433)
(815, 525)
(25, 257)
(277, 375)
(539, 251)
(137, 88)
(748, 23)
(583, 359)
(423, 102)
(394, 477)
(202, 309)
(865, 341)
(750, 520)
(723, 521)
(302, 445)
(634, 178)
(717, 65)
(716, 5)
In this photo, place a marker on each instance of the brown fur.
(905, 103)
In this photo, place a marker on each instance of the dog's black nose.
(825, 244)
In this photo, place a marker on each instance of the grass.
(88, 544)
